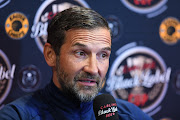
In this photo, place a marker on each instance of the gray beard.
(72, 89)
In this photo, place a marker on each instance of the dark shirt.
(51, 104)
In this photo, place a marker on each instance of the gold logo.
(169, 30)
(17, 25)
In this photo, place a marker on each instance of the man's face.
(83, 62)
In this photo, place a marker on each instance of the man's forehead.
(99, 36)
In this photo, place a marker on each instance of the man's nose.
(91, 66)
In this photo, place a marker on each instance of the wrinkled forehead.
(96, 36)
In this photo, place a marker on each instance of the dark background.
(132, 27)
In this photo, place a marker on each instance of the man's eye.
(80, 53)
(104, 55)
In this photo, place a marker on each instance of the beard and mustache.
(73, 89)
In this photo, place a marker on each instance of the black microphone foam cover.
(105, 107)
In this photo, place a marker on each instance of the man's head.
(76, 17)
(78, 50)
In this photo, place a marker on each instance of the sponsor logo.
(176, 82)
(139, 75)
(17, 25)
(169, 30)
(29, 78)
(6, 76)
(45, 13)
(115, 26)
(150, 8)
(3, 3)
(167, 118)
(108, 110)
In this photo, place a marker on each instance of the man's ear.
(49, 55)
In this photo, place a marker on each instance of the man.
(78, 50)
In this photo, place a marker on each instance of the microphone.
(105, 107)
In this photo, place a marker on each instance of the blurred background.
(145, 60)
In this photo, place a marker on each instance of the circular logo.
(139, 75)
(29, 78)
(146, 6)
(115, 26)
(45, 13)
(166, 118)
(176, 82)
(17, 25)
(6, 76)
(169, 30)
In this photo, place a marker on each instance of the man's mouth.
(87, 82)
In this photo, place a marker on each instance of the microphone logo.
(108, 110)
(105, 107)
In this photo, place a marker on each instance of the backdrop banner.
(145, 61)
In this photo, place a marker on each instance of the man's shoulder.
(127, 110)
(24, 101)
(32, 101)
(125, 104)
(25, 107)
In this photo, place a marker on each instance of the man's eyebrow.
(107, 48)
(79, 44)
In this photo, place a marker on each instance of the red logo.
(139, 75)
(151, 8)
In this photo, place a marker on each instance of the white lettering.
(148, 80)
(9, 74)
(114, 109)
(39, 29)
(102, 112)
